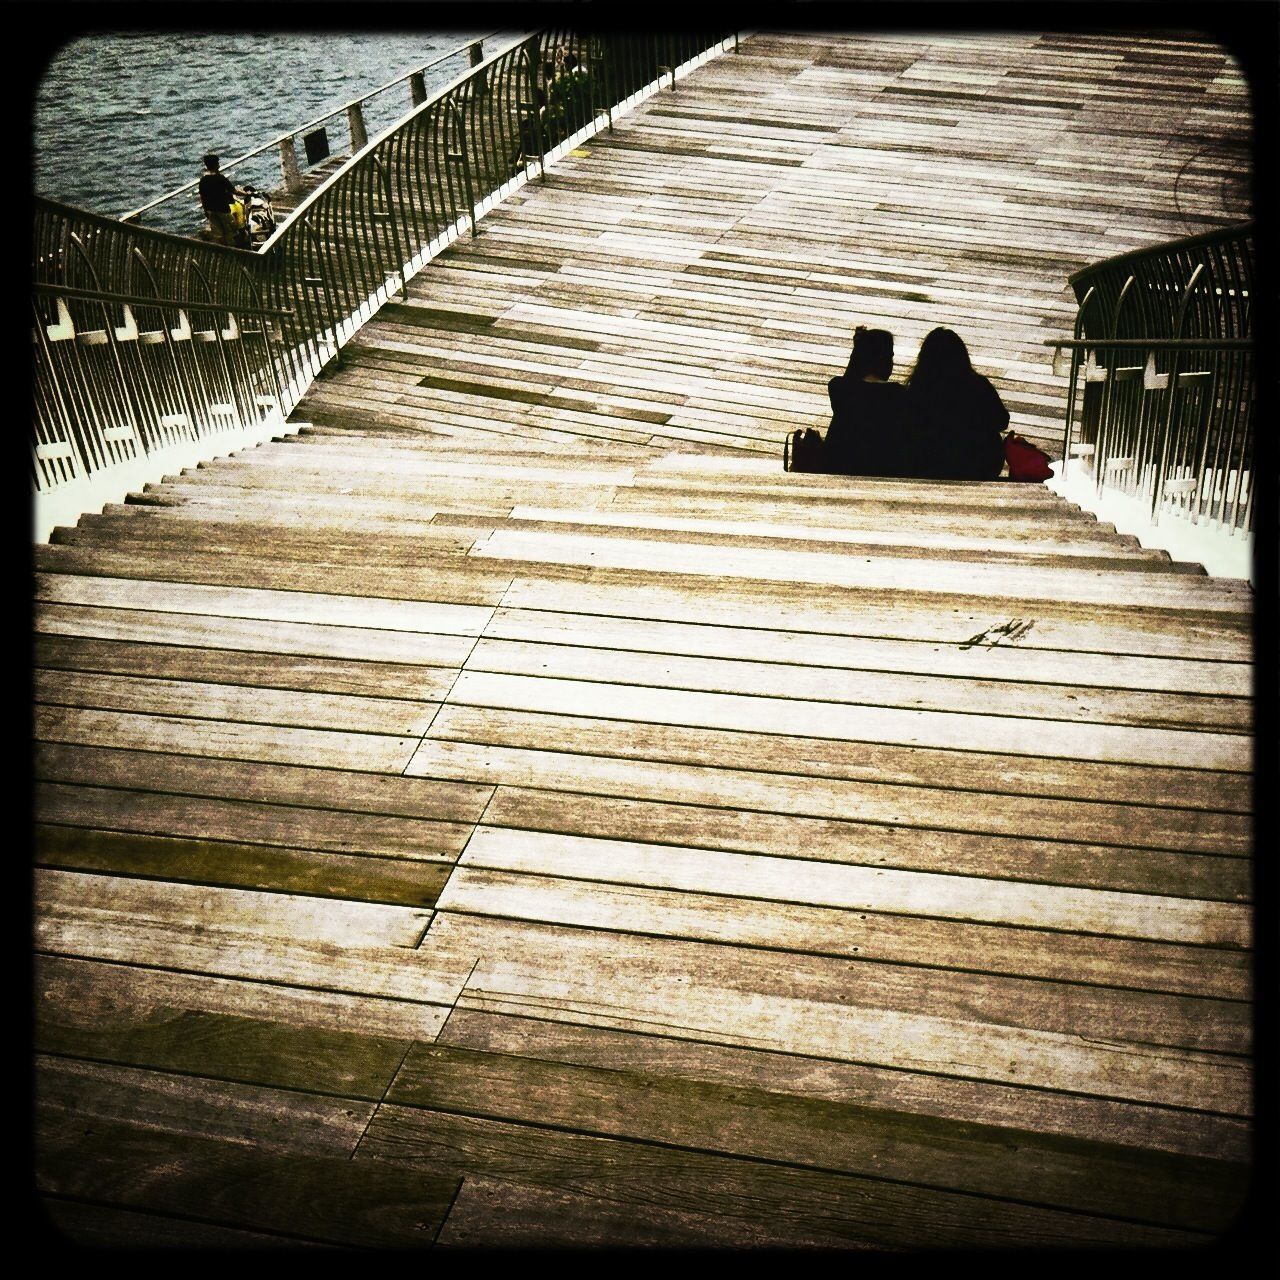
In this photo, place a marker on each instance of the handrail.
(107, 221)
(1150, 344)
(108, 394)
(289, 135)
(138, 300)
(373, 144)
(1169, 246)
(1160, 400)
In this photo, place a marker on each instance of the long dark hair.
(943, 363)
(872, 354)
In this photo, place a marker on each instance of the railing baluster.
(1189, 428)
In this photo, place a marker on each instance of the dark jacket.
(959, 430)
(216, 192)
(868, 435)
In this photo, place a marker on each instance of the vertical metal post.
(1171, 405)
(607, 65)
(479, 81)
(289, 170)
(355, 125)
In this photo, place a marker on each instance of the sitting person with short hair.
(868, 434)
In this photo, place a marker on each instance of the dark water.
(122, 118)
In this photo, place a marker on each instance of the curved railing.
(1161, 396)
(278, 160)
(145, 341)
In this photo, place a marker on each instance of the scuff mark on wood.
(1008, 632)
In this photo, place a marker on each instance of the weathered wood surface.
(516, 812)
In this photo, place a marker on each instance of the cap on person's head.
(211, 161)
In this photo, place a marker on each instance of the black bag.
(803, 450)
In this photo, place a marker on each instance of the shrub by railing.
(1161, 396)
(152, 349)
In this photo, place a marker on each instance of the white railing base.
(87, 494)
(1225, 553)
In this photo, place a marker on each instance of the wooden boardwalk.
(514, 811)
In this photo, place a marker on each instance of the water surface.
(123, 117)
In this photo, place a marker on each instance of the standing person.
(216, 196)
(867, 436)
(958, 413)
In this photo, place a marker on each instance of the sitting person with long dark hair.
(866, 436)
(956, 413)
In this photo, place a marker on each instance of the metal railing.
(123, 371)
(278, 160)
(1160, 404)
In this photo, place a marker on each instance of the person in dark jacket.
(217, 194)
(956, 411)
(867, 436)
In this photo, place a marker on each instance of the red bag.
(1026, 462)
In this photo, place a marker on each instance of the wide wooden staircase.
(514, 811)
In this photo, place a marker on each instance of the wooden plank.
(896, 541)
(856, 1210)
(95, 1226)
(913, 806)
(781, 835)
(890, 615)
(796, 681)
(80, 551)
(1157, 972)
(268, 706)
(945, 1097)
(69, 990)
(104, 899)
(879, 762)
(928, 1020)
(494, 1213)
(979, 661)
(824, 525)
(217, 504)
(853, 888)
(967, 731)
(235, 865)
(395, 649)
(381, 835)
(224, 738)
(1151, 591)
(834, 1137)
(429, 975)
(250, 472)
(290, 1192)
(231, 666)
(872, 934)
(263, 782)
(116, 1014)
(70, 1092)
(277, 606)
